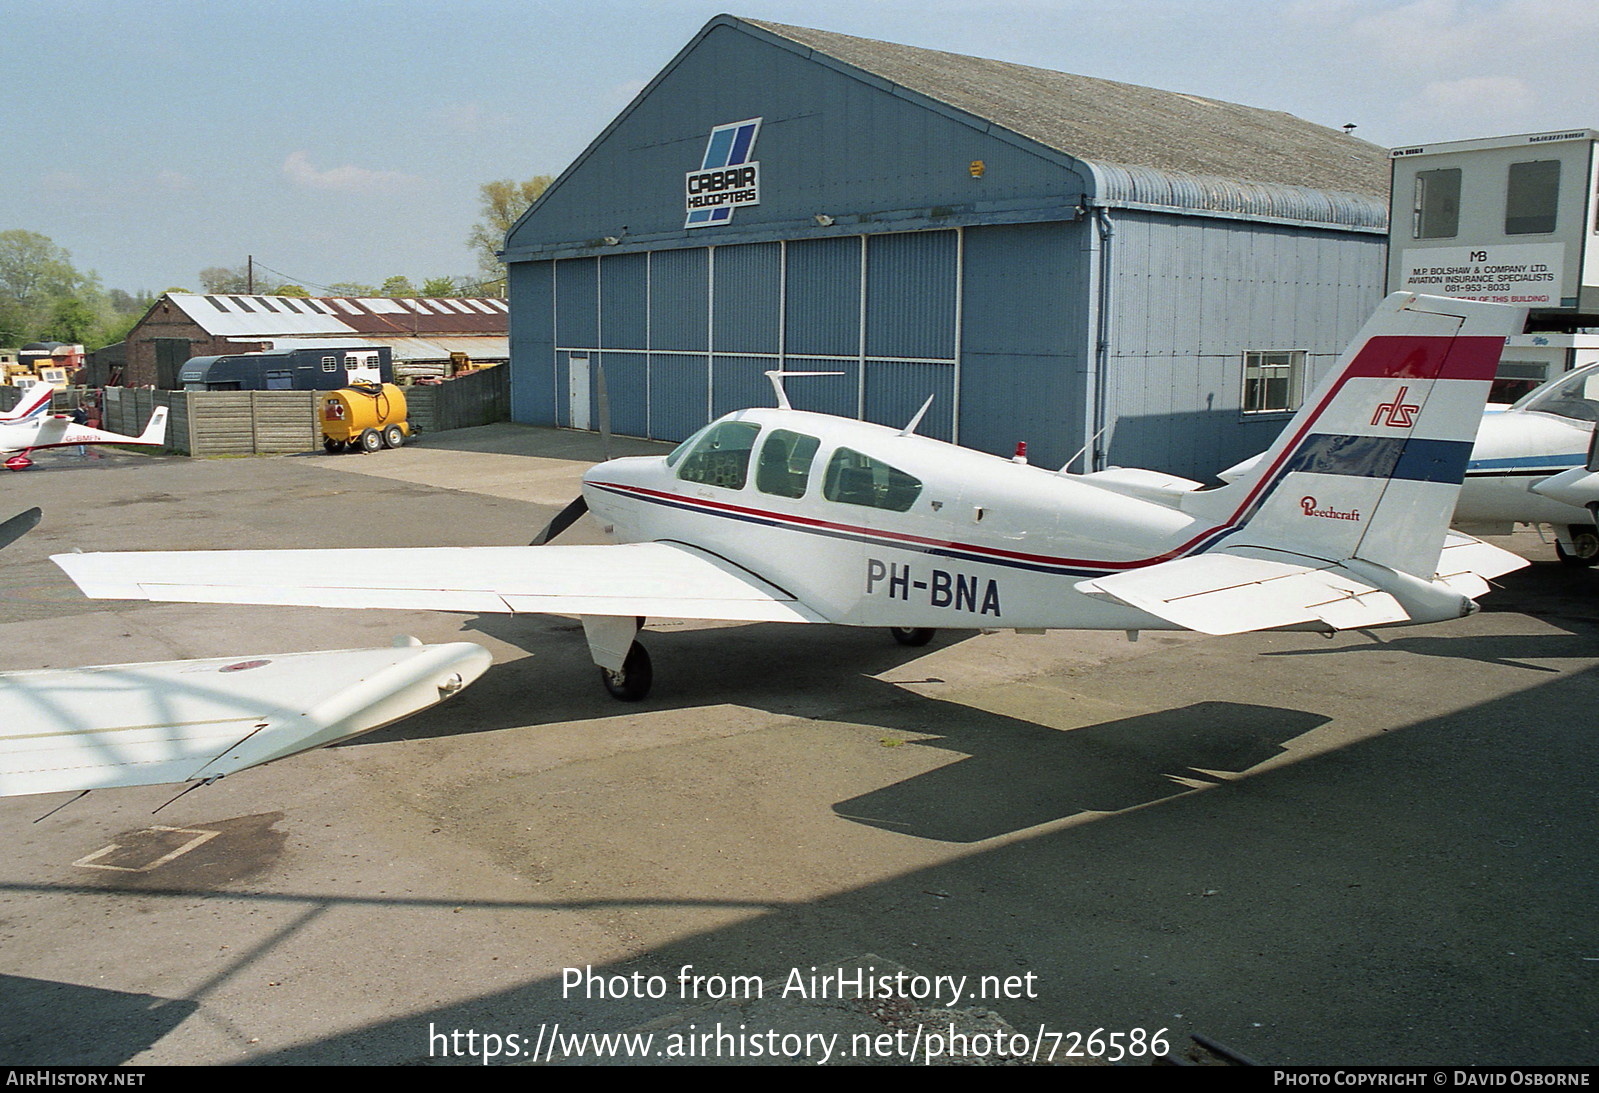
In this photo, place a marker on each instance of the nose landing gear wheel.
(913, 636)
(632, 683)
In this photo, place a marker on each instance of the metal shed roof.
(241, 316)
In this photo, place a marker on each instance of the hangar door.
(685, 336)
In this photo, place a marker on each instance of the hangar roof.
(1158, 147)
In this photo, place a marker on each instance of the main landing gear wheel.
(371, 440)
(913, 636)
(632, 683)
(393, 436)
(1584, 546)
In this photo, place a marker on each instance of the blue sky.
(345, 140)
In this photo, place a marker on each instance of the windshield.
(1574, 395)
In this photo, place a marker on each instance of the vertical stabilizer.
(1371, 467)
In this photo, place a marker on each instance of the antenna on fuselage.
(1081, 451)
(777, 384)
(917, 420)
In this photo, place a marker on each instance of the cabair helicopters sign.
(727, 177)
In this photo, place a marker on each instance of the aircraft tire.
(371, 440)
(632, 683)
(912, 636)
(1585, 546)
(393, 436)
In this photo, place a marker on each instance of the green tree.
(351, 288)
(34, 271)
(290, 290)
(502, 202)
(72, 320)
(398, 285)
(435, 287)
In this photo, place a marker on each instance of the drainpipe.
(1099, 322)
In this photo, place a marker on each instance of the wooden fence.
(274, 422)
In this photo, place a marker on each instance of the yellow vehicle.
(365, 417)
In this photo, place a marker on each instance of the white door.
(577, 371)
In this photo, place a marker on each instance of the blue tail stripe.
(1411, 458)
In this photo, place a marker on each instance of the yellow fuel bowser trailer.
(366, 417)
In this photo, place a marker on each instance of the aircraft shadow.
(1020, 775)
(110, 1027)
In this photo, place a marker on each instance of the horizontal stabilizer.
(189, 720)
(1467, 565)
(1224, 593)
(662, 580)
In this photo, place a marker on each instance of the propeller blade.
(563, 520)
(18, 526)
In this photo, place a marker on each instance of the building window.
(330, 364)
(1274, 381)
(1437, 212)
(1531, 197)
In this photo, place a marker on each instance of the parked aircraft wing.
(650, 579)
(190, 720)
(1224, 593)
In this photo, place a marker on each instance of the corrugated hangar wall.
(686, 335)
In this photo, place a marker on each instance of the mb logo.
(1398, 414)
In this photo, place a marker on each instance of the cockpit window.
(784, 469)
(857, 479)
(722, 455)
(1576, 396)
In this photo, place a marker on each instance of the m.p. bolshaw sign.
(727, 177)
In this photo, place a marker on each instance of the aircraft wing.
(669, 580)
(1222, 593)
(189, 720)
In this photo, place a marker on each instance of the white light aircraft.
(197, 720)
(31, 426)
(1535, 463)
(789, 516)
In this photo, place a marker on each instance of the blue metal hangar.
(1154, 277)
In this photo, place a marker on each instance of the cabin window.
(854, 478)
(1576, 397)
(1273, 381)
(1531, 196)
(722, 455)
(785, 466)
(1437, 211)
(330, 364)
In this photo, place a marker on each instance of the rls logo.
(1399, 414)
(1308, 505)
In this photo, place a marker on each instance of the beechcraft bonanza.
(31, 426)
(196, 720)
(788, 516)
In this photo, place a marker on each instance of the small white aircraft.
(31, 426)
(1535, 463)
(789, 516)
(197, 720)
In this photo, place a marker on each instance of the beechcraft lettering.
(777, 515)
(941, 588)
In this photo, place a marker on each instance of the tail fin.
(155, 432)
(35, 403)
(1371, 467)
